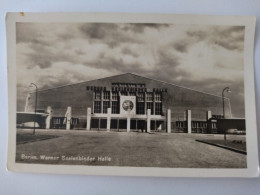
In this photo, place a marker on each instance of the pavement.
(129, 149)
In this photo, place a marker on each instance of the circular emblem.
(128, 105)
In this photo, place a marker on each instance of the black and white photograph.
(134, 94)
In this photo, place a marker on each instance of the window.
(97, 106)
(106, 95)
(158, 97)
(149, 96)
(115, 107)
(97, 95)
(114, 95)
(140, 108)
(150, 106)
(106, 105)
(140, 97)
(158, 108)
(124, 93)
(131, 93)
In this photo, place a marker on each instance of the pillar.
(108, 119)
(169, 121)
(68, 116)
(26, 109)
(128, 123)
(48, 119)
(88, 118)
(188, 119)
(209, 115)
(148, 120)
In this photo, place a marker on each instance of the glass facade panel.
(158, 97)
(106, 105)
(106, 95)
(149, 96)
(131, 93)
(115, 96)
(124, 93)
(97, 106)
(115, 107)
(150, 106)
(140, 97)
(140, 108)
(158, 108)
(97, 95)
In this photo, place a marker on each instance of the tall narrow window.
(106, 95)
(158, 108)
(149, 96)
(158, 97)
(114, 95)
(97, 106)
(150, 106)
(140, 97)
(106, 105)
(131, 93)
(124, 93)
(140, 108)
(97, 95)
(115, 107)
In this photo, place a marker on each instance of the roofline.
(138, 76)
(80, 82)
(178, 86)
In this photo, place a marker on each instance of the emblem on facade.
(128, 105)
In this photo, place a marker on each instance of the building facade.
(127, 102)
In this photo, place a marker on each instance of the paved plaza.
(126, 149)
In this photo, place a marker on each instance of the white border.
(252, 169)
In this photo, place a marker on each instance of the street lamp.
(227, 89)
(35, 108)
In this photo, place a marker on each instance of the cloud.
(206, 58)
(181, 46)
(230, 38)
(139, 28)
(109, 33)
(128, 51)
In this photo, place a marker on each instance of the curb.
(225, 147)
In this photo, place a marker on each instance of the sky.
(202, 57)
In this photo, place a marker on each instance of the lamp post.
(35, 109)
(223, 103)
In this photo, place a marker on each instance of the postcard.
(131, 94)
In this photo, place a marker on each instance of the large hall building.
(128, 102)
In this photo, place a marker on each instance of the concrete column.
(48, 119)
(128, 123)
(26, 108)
(188, 119)
(148, 120)
(153, 103)
(68, 116)
(169, 121)
(102, 101)
(88, 118)
(145, 105)
(208, 115)
(108, 118)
